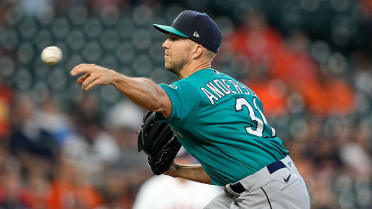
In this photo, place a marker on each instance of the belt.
(238, 187)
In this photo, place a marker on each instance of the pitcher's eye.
(173, 38)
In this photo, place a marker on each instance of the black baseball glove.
(159, 142)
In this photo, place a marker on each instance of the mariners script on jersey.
(220, 122)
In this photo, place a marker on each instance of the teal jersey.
(220, 122)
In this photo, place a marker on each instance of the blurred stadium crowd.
(308, 60)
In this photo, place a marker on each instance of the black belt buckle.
(231, 194)
(237, 187)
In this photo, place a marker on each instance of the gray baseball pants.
(282, 189)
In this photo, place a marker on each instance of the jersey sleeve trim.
(181, 98)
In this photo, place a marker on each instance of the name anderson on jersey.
(218, 88)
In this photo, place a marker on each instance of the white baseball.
(51, 55)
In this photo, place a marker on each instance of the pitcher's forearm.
(189, 172)
(143, 92)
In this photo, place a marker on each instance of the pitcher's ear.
(197, 51)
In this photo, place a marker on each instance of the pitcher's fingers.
(92, 84)
(82, 68)
(82, 78)
(88, 80)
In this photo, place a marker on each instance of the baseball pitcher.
(217, 119)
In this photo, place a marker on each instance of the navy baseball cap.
(196, 26)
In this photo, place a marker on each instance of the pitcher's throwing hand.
(93, 75)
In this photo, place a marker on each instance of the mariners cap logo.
(196, 34)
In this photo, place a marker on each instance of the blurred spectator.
(51, 118)
(130, 169)
(92, 147)
(272, 93)
(33, 146)
(71, 189)
(255, 41)
(354, 151)
(123, 122)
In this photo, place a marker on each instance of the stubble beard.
(175, 68)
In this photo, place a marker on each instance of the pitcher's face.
(177, 53)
